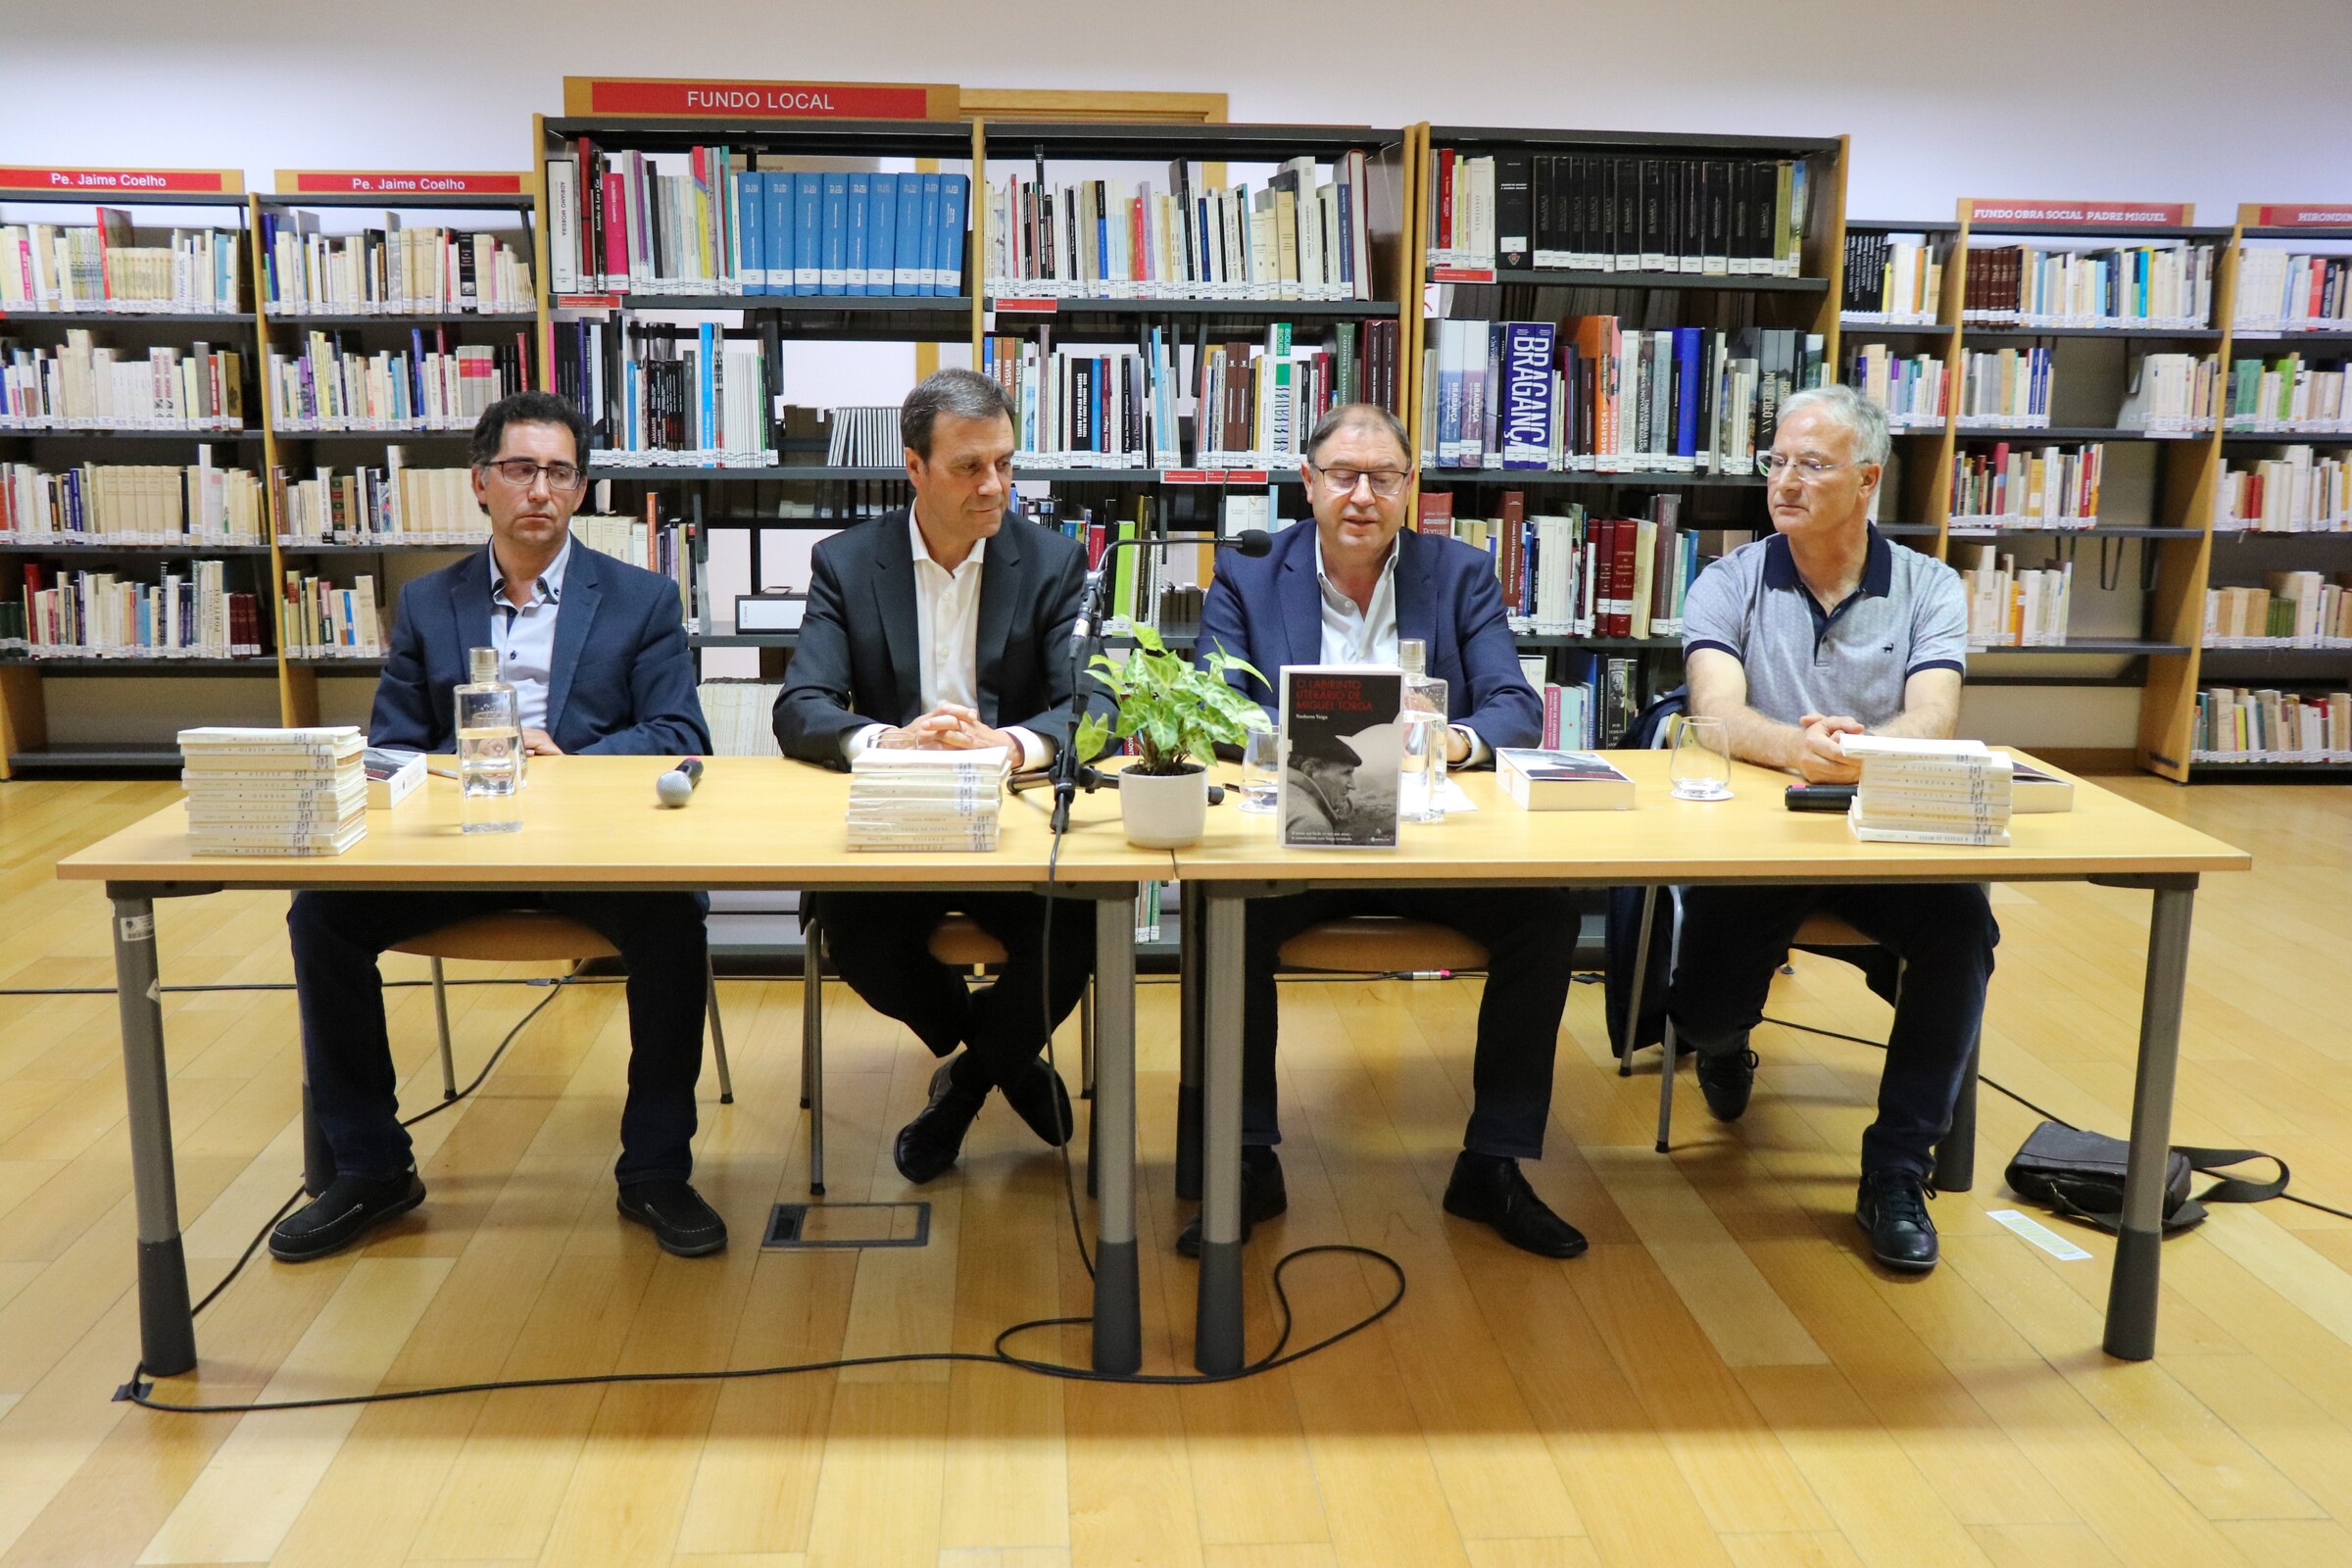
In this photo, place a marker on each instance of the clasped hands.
(950, 727)
(1819, 758)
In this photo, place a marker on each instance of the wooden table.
(1751, 838)
(592, 823)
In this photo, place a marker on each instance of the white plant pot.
(1164, 811)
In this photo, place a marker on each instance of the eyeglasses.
(1812, 470)
(1387, 483)
(522, 471)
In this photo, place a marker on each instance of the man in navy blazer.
(597, 653)
(1344, 591)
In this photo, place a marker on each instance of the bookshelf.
(1536, 263)
(416, 267)
(133, 301)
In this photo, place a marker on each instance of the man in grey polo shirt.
(1823, 629)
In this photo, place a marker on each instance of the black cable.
(1045, 989)
(1996, 1085)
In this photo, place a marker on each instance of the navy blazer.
(857, 661)
(622, 682)
(1269, 611)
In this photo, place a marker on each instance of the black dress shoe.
(928, 1145)
(1493, 1190)
(1725, 1078)
(1263, 1195)
(1038, 1096)
(1892, 1206)
(684, 1225)
(349, 1208)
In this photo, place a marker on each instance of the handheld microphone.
(677, 787)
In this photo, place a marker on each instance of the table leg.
(2132, 1289)
(1189, 1023)
(167, 1331)
(1118, 1290)
(1217, 1335)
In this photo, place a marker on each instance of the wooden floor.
(1721, 1381)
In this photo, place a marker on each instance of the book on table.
(1562, 781)
(914, 799)
(1916, 791)
(1343, 749)
(291, 792)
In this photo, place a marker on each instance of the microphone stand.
(1068, 773)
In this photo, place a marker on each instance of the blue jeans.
(1734, 937)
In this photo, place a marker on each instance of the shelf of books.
(1611, 322)
(130, 510)
(393, 306)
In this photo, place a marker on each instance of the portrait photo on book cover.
(1343, 786)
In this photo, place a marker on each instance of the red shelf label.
(2293, 216)
(2068, 213)
(398, 182)
(1029, 307)
(588, 302)
(1461, 274)
(681, 97)
(122, 180)
(1213, 476)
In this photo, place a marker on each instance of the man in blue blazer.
(596, 651)
(1344, 591)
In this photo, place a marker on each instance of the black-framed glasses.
(1387, 483)
(522, 471)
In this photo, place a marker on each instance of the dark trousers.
(1530, 936)
(1734, 938)
(346, 1057)
(880, 942)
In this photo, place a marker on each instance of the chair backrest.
(1653, 728)
(511, 936)
(1380, 943)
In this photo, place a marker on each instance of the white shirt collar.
(922, 549)
(551, 581)
(1387, 570)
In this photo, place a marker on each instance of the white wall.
(2210, 101)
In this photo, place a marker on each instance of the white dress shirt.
(526, 637)
(1353, 634)
(947, 630)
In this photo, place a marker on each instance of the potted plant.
(1174, 711)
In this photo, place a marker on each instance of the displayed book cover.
(1342, 747)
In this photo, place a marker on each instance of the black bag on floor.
(2080, 1175)
(1621, 928)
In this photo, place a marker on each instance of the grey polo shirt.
(1909, 613)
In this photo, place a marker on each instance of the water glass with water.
(1421, 792)
(489, 749)
(1262, 769)
(1701, 767)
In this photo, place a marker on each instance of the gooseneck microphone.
(677, 787)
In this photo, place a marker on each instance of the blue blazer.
(1269, 611)
(623, 680)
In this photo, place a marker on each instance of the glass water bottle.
(489, 749)
(1422, 792)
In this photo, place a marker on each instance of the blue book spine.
(861, 209)
(926, 268)
(881, 234)
(1526, 409)
(807, 234)
(1690, 369)
(906, 246)
(778, 223)
(835, 278)
(947, 262)
(707, 390)
(751, 213)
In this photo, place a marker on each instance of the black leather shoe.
(928, 1145)
(684, 1225)
(1038, 1096)
(1263, 1195)
(1725, 1078)
(349, 1208)
(1892, 1206)
(1493, 1190)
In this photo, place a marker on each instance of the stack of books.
(275, 790)
(1929, 792)
(925, 800)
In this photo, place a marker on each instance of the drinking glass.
(1701, 769)
(1262, 769)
